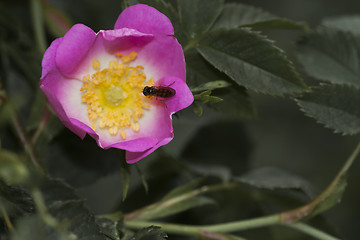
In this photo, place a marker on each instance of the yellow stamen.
(128, 58)
(135, 126)
(114, 95)
(96, 64)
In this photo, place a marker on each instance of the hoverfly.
(161, 92)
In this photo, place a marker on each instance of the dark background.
(281, 136)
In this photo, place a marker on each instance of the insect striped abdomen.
(159, 91)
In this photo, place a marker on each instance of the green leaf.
(172, 206)
(335, 106)
(197, 16)
(279, 23)
(70, 211)
(211, 86)
(331, 55)
(12, 169)
(178, 200)
(197, 108)
(111, 229)
(15, 200)
(205, 97)
(125, 177)
(251, 60)
(142, 176)
(235, 15)
(29, 228)
(76, 219)
(201, 74)
(240, 15)
(54, 190)
(78, 162)
(150, 233)
(183, 189)
(350, 23)
(274, 178)
(214, 170)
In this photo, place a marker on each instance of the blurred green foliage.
(248, 155)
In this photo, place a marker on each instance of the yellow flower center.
(113, 95)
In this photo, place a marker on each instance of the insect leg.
(171, 84)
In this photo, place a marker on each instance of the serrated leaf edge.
(298, 100)
(280, 52)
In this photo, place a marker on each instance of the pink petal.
(106, 44)
(183, 97)
(48, 62)
(165, 56)
(122, 40)
(145, 19)
(50, 86)
(133, 157)
(73, 48)
(139, 144)
(139, 28)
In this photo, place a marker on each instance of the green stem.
(20, 132)
(145, 211)
(188, 230)
(311, 231)
(350, 160)
(194, 230)
(41, 207)
(243, 225)
(143, 179)
(44, 120)
(6, 217)
(38, 23)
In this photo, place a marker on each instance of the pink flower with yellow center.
(95, 81)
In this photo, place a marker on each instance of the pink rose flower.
(95, 81)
